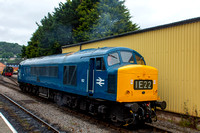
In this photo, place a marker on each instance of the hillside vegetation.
(9, 50)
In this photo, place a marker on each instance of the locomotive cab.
(136, 81)
(136, 86)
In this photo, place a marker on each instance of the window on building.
(69, 76)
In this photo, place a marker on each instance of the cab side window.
(139, 60)
(100, 65)
(127, 56)
(113, 59)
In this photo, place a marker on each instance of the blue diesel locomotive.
(112, 81)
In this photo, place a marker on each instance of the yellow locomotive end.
(137, 83)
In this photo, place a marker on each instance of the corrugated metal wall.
(175, 52)
(71, 49)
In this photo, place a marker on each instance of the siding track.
(85, 117)
(24, 120)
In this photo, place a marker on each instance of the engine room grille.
(112, 84)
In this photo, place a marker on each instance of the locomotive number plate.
(143, 84)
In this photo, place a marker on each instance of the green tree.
(76, 21)
(87, 14)
(23, 51)
(7, 55)
(102, 18)
(54, 31)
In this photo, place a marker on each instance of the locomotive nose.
(138, 69)
(137, 83)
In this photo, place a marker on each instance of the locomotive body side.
(80, 65)
(113, 82)
(39, 72)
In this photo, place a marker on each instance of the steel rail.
(166, 130)
(33, 115)
(118, 128)
(13, 80)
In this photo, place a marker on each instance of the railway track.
(14, 80)
(26, 120)
(9, 82)
(145, 128)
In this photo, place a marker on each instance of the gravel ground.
(20, 120)
(70, 123)
(174, 128)
(54, 115)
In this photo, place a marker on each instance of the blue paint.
(90, 81)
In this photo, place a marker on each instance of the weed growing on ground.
(187, 120)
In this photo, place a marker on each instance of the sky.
(18, 17)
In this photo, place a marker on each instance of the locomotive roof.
(73, 57)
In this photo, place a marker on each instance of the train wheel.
(51, 96)
(23, 88)
(58, 98)
(28, 89)
(35, 91)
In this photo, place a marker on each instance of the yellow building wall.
(70, 49)
(175, 52)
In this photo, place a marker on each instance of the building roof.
(2, 66)
(192, 20)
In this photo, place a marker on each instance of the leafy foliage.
(87, 15)
(8, 50)
(76, 21)
(105, 18)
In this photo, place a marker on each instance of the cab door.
(91, 76)
(97, 80)
(100, 77)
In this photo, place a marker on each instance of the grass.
(187, 120)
